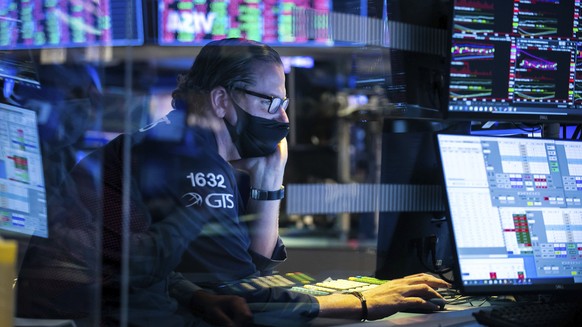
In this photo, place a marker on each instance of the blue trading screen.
(516, 59)
(516, 210)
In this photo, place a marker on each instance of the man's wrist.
(264, 195)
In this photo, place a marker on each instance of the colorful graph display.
(33, 24)
(519, 59)
(22, 189)
(289, 22)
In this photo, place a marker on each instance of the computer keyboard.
(303, 283)
(567, 314)
(345, 285)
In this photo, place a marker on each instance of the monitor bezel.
(526, 117)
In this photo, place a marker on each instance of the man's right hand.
(410, 292)
(266, 172)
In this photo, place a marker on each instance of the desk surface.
(455, 315)
(29, 322)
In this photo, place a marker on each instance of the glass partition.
(89, 203)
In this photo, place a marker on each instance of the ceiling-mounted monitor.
(515, 61)
(287, 23)
(278, 22)
(65, 24)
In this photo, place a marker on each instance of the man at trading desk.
(184, 211)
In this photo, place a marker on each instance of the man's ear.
(219, 100)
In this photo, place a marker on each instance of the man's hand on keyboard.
(410, 292)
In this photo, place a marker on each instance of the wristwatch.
(257, 194)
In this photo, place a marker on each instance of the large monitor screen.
(515, 207)
(22, 191)
(62, 24)
(516, 60)
(277, 22)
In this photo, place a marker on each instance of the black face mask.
(255, 136)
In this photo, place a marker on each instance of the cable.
(533, 129)
(577, 133)
(431, 249)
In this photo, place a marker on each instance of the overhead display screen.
(30, 24)
(275, 22)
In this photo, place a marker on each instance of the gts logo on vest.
(213, 200)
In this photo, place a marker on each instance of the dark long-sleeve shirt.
(183, 215)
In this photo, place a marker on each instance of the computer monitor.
(280, 23)
(65, 24)
(515, 61)
(290, 23)
(22, 190)
(415, 240)
(515, 211)
(413, 68)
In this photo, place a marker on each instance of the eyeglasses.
(275, 103)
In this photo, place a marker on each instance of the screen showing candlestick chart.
(516, 60)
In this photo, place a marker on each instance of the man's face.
(269, 81)
(256, 123)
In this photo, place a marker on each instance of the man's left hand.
(222, 310)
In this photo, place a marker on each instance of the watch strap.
(257, 194)
(364, 304)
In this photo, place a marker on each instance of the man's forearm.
(264, 227)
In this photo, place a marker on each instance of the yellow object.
(7, 276)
